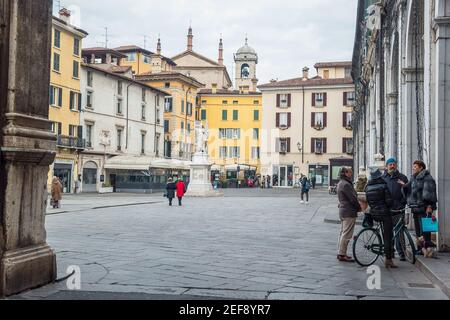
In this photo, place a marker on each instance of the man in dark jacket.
(380, 202)
(348, 211)
(170, 190)
(422, 197)
(395, 181)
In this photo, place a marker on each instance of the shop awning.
(243, 167)
(129, 163)
(171, 164)
(145, 163)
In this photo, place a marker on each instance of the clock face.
(245, 71)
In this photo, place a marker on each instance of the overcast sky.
(287, 34)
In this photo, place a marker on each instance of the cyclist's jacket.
(378, 197)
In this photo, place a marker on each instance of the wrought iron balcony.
(71, 143)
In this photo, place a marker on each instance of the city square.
(250, 244)
(261, 151)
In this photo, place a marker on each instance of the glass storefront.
(155, 179)
(283, 176)
(321, 173)
(64, 173)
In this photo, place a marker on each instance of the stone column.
(442, 138)
(27, 145)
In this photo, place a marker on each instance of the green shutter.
(60, 96)
(235, 115)
(224, 115)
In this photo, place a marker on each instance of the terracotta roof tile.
(299, 82)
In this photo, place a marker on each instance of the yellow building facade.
(65, 99)
(179, 111)
(143, 61)
(234, 120)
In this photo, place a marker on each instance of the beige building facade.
(307, 126)
(209, 72)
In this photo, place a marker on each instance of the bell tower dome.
(246, 60)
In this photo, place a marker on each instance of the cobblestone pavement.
(250, 244)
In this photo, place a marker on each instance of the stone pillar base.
(26, 268)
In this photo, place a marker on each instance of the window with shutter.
(52, 95)
(278, 100)
(325, 98)
(72, 100)
(313, 102)
(289, 121)
(79, 101)
(288, 143)
(325, 121)
(289, 100)
(325, 145)
(277, 120)
(313, 145)
(60, 97)
(345, 99)
(313, 119)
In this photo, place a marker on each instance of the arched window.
(245, 71)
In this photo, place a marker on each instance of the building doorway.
(283, 176)
(90, 172)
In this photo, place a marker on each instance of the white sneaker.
(302, 201)
(307, 202)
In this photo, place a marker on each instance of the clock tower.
(246, 60)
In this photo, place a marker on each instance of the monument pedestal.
(200, 184)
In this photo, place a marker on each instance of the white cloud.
(287, 34)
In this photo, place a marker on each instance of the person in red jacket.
(181, 190)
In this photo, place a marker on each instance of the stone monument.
(200, 181)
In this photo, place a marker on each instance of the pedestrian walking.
(181, 190)
(422, 197)
(313, 182)
(170, 190)
(380, 201)
(56, 193)
(305, 187)
(268, 182)
(395, 181)
(348, 211)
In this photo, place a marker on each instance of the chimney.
(255, 84)
(221, 53)
(158, 47)
(273, 81)
(190, 40)
(108, 58)
(305, 73)
(64, 14)
(214, 88)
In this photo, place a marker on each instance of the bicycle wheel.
(408, 246)
(367, 247)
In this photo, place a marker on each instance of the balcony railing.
(71, 142)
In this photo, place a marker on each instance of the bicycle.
(368, 245)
